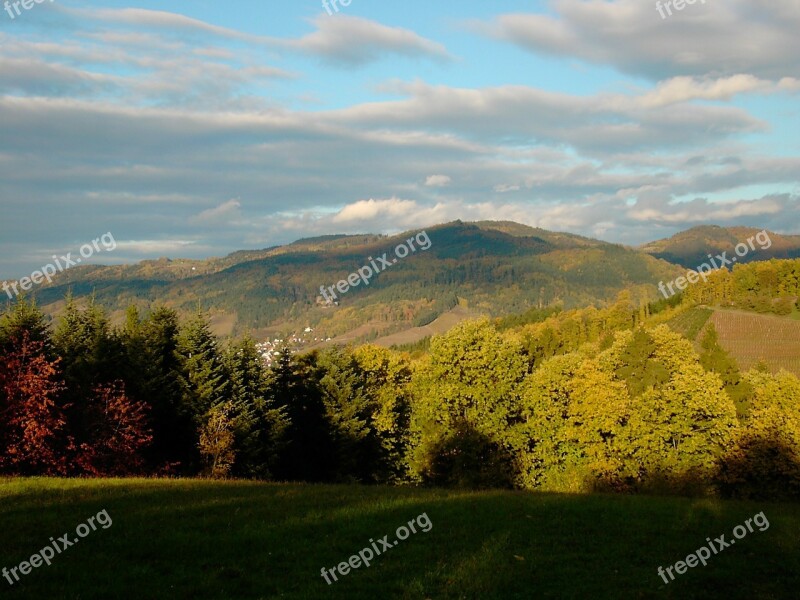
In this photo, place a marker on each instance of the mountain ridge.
(493, 267)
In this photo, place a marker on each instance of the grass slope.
(201, 539)
(690, 322)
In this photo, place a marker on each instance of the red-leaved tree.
(33, 435)
(118, 432)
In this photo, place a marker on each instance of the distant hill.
(493, 268)
(691, 248)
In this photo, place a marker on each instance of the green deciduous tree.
(471, 382)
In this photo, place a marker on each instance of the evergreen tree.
(203, 375)
(350, 412)
(714, 358)
(258, 426)
(308, 454)
(637, 365)
(153, 375)
(24, 317)
(91, 356)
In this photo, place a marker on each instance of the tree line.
(590, 399)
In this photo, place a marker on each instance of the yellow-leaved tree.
(465, 397)
(764, 459)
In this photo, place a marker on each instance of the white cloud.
(219, 214)
(438, 181)
(502, 188)
(502, 115)
(366, 210)
(758, 37)
(148, 247)
(683, 89)
(356, 41)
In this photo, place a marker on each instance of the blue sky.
(204, 128)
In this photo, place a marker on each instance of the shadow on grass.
(194, 539)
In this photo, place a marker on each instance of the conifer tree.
(308, 454)
(258, 426)
(91, 357)
(714, 358)
(350, 412)
(24, 317)
(153, 375)
(203, 375)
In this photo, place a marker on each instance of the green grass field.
(201, 539)
(689, 323)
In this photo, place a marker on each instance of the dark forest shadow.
(468, 459)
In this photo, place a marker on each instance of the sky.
(195, 129)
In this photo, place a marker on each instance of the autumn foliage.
(41, 433)
(607, 399)
(117, 433)
(32, 422)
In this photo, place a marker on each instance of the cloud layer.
(186, 137)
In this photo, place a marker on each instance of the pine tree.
(91, 356)
(24, 317)
(203, 376)
(350, 412)
(714, 358)
(258, 426)
(308, 453)
(637, 365)
(153, 375)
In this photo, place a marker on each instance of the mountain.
(493, 268)
(691, 248)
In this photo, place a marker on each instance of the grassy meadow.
(204, 539)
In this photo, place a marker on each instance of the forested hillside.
(495, 268)
(563, 400)
(691, 248)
